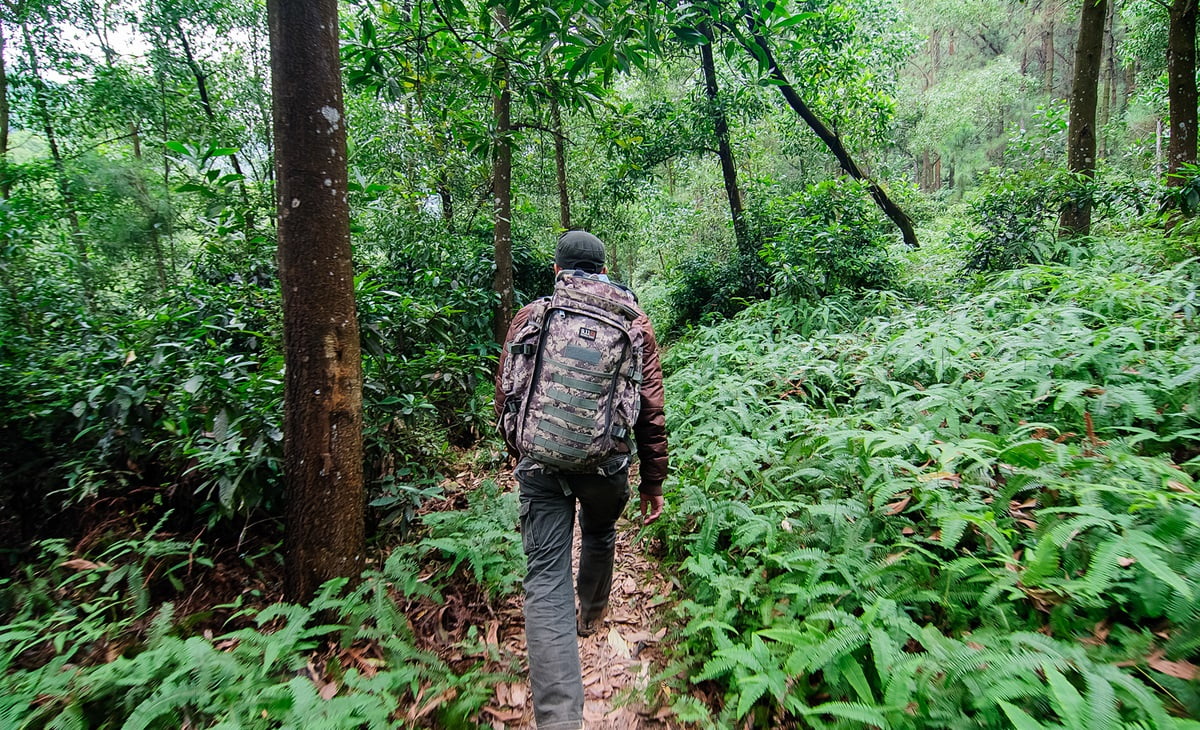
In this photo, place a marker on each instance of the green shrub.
(938, 517)
(827, 239)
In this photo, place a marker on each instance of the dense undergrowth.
(976, 514)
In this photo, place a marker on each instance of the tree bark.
(5, 177)
(560, 166)
(1076, 216)
(1181, 88)
(831, 140)
(502, 283)
(323, 458)
(724, 148)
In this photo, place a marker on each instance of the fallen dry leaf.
(81, 564)
(618, 643)
(1179, 670)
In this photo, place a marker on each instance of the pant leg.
(601, 501)
(547, 522)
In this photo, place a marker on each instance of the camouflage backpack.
(573, 375)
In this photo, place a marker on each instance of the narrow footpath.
(620, 661)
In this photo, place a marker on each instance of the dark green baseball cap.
(579, 250)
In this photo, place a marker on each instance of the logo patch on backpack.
(570, 405)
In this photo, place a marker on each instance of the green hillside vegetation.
(933, 378)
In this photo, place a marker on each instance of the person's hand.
(652, 507)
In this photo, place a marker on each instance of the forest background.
(932, 361)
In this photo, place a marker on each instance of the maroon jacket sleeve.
(651, 427)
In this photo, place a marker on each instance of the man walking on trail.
(600, 370)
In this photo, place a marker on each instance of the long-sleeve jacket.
(650, 430)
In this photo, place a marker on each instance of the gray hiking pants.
(547, 524)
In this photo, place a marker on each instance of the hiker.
(614, 371)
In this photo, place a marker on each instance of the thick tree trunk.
(831, 140)
(724, 148)
(323, 456)
(1181, 88)
(502, 283)
(1076, 216)
(560, 166)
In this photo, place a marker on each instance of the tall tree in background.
(1181, 87)
(502, 177)
(759, 48)
(1076, 216)
(323, 392)
(720, 123)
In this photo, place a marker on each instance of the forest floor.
(620, 661)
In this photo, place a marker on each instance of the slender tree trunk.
(1076, 216)
(831, 140)
(323, 456)
(1181, 88)
(5, 177)
(166, 169)
(724, 148)
(1104, 102)
(560, 166)
(502, 283)
(210, 113)
(60, 170)
(447, 199)
(1048, 58)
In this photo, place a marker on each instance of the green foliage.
(828, 239)
(481, 540)
(1016, 213)
(295, 666)
(914, 517)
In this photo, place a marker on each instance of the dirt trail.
(619, 661)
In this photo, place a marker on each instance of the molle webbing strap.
(575, 369)
(583, 354)
(572, 418)
(563, 449)
(584, 385)
(572, 400)
(568, 434)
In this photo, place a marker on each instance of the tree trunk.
(60, 170)
(323, 457)
(560, 166)
(1076, 216)
(724, 148)
(447, 199)
(5, 177)
(502, 283)
(1181, 88)
(1048, 58)
(831, 140)
(206, 104)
